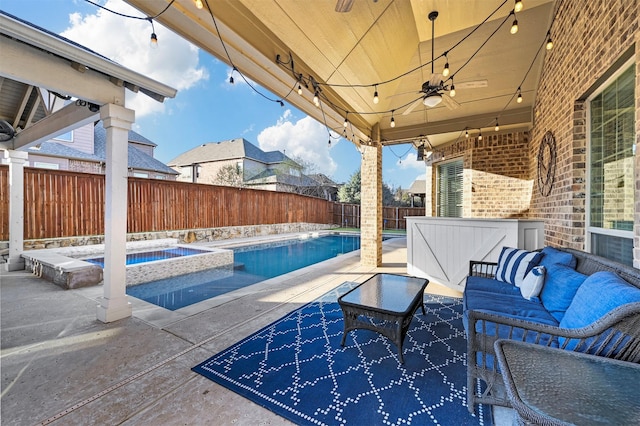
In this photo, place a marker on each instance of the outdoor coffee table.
(385, 303)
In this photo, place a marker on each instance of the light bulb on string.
(393, 121)
(519, 100)
(153, 42)
(316, 101)
(466, 133)
(445, 71)
(518, 6)
(346, 121)
(549, 45)
(198, 4)
(480, 135)
(514, 26)
(497, 125)
(452, 91)
(375, 96)
(231, 81)
(299, 90)
(329, 142)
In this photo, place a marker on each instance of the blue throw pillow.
(560, 286)
(599, 294)
(514, 264)
(551, 255)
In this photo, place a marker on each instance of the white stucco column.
(114, 304)
(16, 160)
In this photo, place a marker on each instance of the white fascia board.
(57, 46)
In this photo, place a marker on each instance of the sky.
(207, 107)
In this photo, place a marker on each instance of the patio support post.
(114, 304)
(16, 160)
(371, 201)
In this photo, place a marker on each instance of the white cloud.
(305, 138)
(411, 163)
(126, 41)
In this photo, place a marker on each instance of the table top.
(569, 386)
(387, 292)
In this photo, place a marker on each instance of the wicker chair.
(616, 335)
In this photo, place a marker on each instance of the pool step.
(237, 266)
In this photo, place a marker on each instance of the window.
(140, 174)
(65, 137)
(611, 168)
(449, 187)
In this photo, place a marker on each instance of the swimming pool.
(252, 264)
(151, 256)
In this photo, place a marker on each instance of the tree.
(229, 175)
(350, 191)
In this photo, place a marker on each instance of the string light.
(198, 4)
(316, 101)
(153, 42)
(466, 133)
(519, 100)
(497, 125)
(480, 135)
(299, 90)
(375, 96)
(346, 122)
(514, 26)
(329, 143)
(231, 76)
(452, 91)
(518, 6)
(393, 121)
(445, 71)
(549, 44)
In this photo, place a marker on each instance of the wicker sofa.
(579, 308)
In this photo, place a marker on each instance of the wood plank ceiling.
(384, 42)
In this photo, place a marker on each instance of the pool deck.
(60, 365)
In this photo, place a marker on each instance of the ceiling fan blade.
(412, 106)
(475, 84)
(449, 102)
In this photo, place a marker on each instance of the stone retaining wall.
(183, 236)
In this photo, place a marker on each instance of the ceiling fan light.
(432, 100)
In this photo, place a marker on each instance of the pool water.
(251, 265)
(150, 256)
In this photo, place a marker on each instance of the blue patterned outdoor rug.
(296, 368)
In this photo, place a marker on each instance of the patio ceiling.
(374, 42)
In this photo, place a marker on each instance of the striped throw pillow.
(514, 264)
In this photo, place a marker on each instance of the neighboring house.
(237, 162)
(326, 187)
(418, 190)
(84, 150)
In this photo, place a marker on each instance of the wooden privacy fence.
(348, 215)
(60, 203)
(65, 204)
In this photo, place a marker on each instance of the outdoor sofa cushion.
(532, 284)
(551, 256)
(560, 286)
(491, 285)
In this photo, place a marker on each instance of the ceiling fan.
(434, 90)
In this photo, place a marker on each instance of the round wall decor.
(546, 163)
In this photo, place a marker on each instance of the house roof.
(419, 186)
(272, 176)
(136, 159)
(323, 179)
(227, 150)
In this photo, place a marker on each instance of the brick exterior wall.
(496, 177)
(589, 37)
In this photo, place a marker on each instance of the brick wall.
(589, 37)
(371, 204)
(496, 178)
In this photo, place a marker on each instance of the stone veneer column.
(114, 304)
(371, 203)
(16, 160)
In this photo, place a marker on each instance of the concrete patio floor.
(62, 366)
